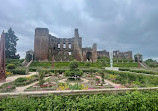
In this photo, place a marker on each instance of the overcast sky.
(112, 24)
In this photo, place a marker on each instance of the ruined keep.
(67, 49)
(63, 49)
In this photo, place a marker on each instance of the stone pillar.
(2, 58)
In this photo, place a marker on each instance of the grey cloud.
(112, 24)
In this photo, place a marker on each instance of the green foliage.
(73, 72)
(73, 69)
(41, 77)
(150, 60)
(124, 77)
(125, 64)
(11, 66)
(134, 101)
(17, 62)
(19, 71)
(32, 69)
(124, 69)
(80, 64)
(20, 79)
(87, 64)
(7, 87)
(151, 63)
(73, 65)
(102, 75)
(10, 45)
(144, 71)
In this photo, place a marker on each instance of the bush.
(144, 71)
(20, 79)
(10, 66)
(41, 77)
(73, 71)
(19, 71)
(134, 101)
(32, 69)
(129, 77)
(124, 69)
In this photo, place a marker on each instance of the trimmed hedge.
(19, 71)
(134, 101)
(144, 71)
(124, 69)
(138, 71)
(11, 66)
(81, 64)
(143, 79)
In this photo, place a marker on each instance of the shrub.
(73, 65)
(41, 77)
(124, 69)
(143, 71)
(32, 69)
(125, 77)
(73, 70)
(19, 71)
(10, 66)
(134, 101)
(20, 79)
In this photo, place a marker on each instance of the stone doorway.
(89, 56)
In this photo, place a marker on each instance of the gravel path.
(22, 88)
(12, 78)
(109, 82)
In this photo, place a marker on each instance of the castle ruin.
(67, 49)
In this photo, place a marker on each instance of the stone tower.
(77, 46)
(94, 52)
(41, 43)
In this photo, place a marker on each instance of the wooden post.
(2, 58)
(138, 61)
(52, 61)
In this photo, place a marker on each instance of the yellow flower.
(8, 73)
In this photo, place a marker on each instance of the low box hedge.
(18, 71)
(129, 101)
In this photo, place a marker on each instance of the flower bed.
(131, 80)
(7, 87)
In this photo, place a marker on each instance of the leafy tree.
(150, 60)
(10, 45)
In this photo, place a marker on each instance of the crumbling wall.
(61, 48)
(116, 54)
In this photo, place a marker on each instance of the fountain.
(111, 63)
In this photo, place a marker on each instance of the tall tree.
(10, 44)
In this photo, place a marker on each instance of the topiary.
(73, 71)
(73, 65)
(11, 66)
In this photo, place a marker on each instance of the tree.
(10, 45)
